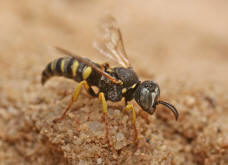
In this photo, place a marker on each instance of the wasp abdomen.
(66, 67)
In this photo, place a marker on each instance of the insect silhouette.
(113, 83)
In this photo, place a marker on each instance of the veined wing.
(110, 43)
(89, 63)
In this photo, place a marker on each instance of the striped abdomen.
(70, 68)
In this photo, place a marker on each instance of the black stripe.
(43, 80)
(80, 71)
(49, 70)
(69, 68)
(58, 66)
(44, 74)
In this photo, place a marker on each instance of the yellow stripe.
(133, 86)
(62, 65)
(110, 70)
(74, 68)
(86, 72)
(124, 90)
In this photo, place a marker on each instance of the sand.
(180, 45)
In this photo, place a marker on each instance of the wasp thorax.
(147, 95)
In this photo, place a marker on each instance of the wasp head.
(147, 96)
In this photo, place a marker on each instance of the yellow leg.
(85, 84)
(73, 99)
(104, 108)
(130, 107)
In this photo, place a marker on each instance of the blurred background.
(177, 40)
(183, 45)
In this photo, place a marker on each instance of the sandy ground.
(181, 45)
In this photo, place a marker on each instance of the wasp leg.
(130, 107)
(73, 99)
(104, 108)
(89, 89)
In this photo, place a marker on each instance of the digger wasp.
(113, 83)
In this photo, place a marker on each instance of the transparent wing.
(89, 63)
(109, 42)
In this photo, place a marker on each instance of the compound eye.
(145, 99)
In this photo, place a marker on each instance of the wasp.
(113, 83)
